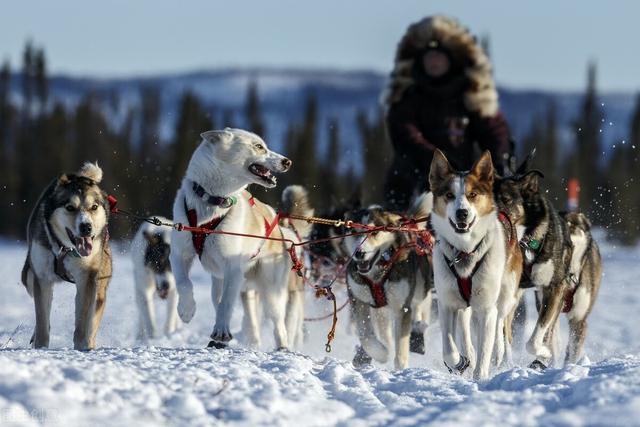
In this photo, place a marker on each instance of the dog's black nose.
(359, 255)
(163, 286)
(286, 163)
(462, 214)
(85, 229)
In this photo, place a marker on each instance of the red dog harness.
(198, 237)
(465, 284)
(377, 289)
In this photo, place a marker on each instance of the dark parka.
(457, 113)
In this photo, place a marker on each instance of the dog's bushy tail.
(421, 206)
(295, 200)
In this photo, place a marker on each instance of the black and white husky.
(150, 251)
(389, 282)
(68, 241)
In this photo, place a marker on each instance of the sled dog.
(546, 246)
(585, 274)
(476, 269)
(213, 196)
(68, 241)
(295, 200)
(389, 280)
(153, 277)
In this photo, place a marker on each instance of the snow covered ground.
(176, 381)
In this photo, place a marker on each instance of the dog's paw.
(416, 342)
(537, 365)
(462, 366)
(186, 306)
(361, 358)
(217, 345)
(221, 336)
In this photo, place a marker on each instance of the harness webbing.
(198, 237)
(465, 284)
(377, 290)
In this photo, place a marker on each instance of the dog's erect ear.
(63, 180)
(215, 136)
(526, 164)
(483, 168)
(530, 181)
(585, 221)
(440, 168)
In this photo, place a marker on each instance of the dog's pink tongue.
(84, 246)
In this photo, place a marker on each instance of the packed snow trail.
(175, 381)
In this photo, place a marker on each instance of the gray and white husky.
(213, 195)
(150, 251)
(389, 283)
(68, 241)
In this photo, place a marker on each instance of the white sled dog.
(295, 199)
(68, 240)
(152, 273)
(213, 196)
(475, 262)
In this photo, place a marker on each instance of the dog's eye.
(70, 208)
(259, 147)
(471, 195)
(94, 207)
(450, 196)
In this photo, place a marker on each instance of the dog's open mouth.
(263, 173)
(83, 245)
(365, 266)
(462, 227)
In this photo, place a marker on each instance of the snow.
(176, 381)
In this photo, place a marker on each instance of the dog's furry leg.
(364, 327)
(172, 312)
(295, 316)
(276, 309)
(486, 321)
(577, 335)
(402, 333)
(250, 324)
(101, 300)
(448, 319)
(464, 329)
(180, 265)
(42, 297)
(549, 308)
(421, 320)
(86, 292)
(144, 299)
(383, 318)
(232, 283)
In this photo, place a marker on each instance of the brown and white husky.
(476, 262)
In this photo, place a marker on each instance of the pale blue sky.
(534, 44)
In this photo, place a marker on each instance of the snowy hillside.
(176, 381)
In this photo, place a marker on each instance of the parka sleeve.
(404, 131)
(492, 133)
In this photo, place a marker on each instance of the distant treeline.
(41, 138)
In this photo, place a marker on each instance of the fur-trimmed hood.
(480, 97)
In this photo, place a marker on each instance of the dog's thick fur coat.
(153, 277)
(224, 164)
(67, 239)
(471, 244)
(406, 283)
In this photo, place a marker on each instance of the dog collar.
(529, 242)
(223, 202)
